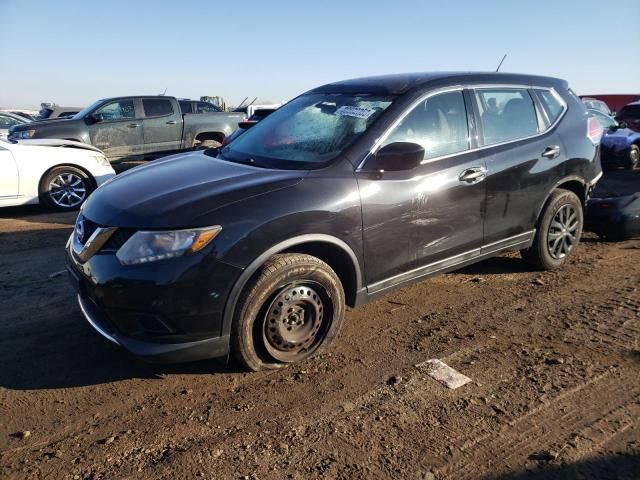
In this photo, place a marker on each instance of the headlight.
(102, 160)
(145, 247)
(24, 134)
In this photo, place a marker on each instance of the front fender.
(245, 276)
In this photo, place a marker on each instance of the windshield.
(604, 120)
(87, 110)
(311, 129)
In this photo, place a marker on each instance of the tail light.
(594, 130)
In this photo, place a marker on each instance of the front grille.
(88, 228)
(117, 240)
(113, 244)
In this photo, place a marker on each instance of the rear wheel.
(291, 309)
(65, 188)
(634, 157)
(558, 232)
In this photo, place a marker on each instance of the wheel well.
(217, 136)
(77, 167)
(576, 187)
(337, 259)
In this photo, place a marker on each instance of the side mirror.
(622, 125)
(397, 156)
(93, 118)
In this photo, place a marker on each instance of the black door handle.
(133, 125)
(171, 122)
(551, 152)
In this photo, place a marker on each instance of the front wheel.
(558, 232)
(292, 308)
(64, 188)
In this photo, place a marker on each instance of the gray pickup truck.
(127, 128)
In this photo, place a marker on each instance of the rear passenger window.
(552, 106)
(185, 107)
(204, 107)
(156, 107)
(506, 114)
(438, 124)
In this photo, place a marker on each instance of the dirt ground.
(554, 360)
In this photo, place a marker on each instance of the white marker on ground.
(443, 373)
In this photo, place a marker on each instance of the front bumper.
(616, 218)
(611, 156)
(164, 313)
(155, 352)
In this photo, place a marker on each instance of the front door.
(430, 217)
(9, 177)
(117, 130)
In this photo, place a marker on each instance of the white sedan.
(57, 173)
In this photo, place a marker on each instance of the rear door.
(162, 125)
(522, 155)
(421, 220)
(118, 129)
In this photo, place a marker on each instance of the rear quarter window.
(552, 105)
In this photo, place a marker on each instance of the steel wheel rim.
(67, 190)
(563, 232)
(634, 155)
(296, 321)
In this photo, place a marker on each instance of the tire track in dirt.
(576, 410)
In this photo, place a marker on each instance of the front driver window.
(438, 124)
(115, 111)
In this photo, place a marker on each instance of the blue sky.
(73, 52)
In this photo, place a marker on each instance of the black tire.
(74, 186)
(633, 158)
(205, 144)
(550, 240)
(291, 309)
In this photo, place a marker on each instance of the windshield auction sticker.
(357, 112)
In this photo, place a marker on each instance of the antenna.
(242, 102)
(500, 64)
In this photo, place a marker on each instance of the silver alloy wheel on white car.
(67, 190)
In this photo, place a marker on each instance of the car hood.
(40, 124)
(619, 134)
(56, 142)
(181, 191)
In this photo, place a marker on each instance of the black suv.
(348, 191)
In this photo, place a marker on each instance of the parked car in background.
(257, 246)
(615, 101)
(245, 125)
(613, 212)
(136, 127)
(620, 146)
(56, 173)
(595, 104)
(29, 115)
(51, 111)
(630, 115)
(8, 120)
